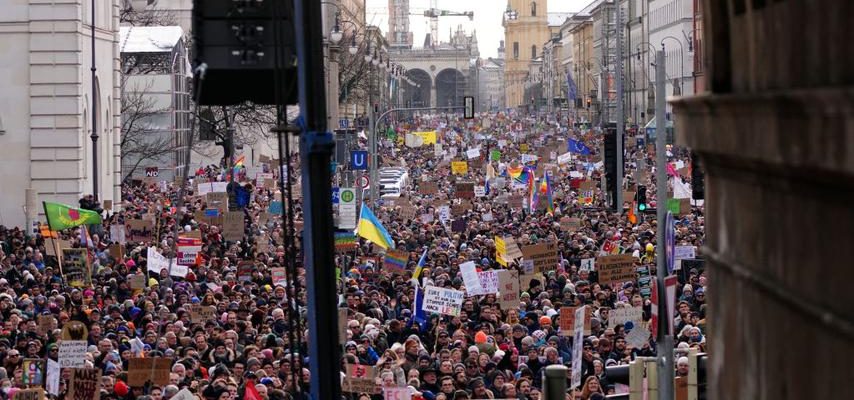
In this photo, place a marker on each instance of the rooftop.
(149, 39)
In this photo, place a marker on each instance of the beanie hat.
(480, 337)
(121, 389)
(545, 321)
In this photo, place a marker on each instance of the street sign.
(335, 195)
(152, 172)
(363, 182)
(358, 160)
(347, 208)
(343, 123)
(669, 243)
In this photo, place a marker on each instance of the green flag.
(60, 216)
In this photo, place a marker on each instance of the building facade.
(671, 24)
(581, 31)
(46, 107)
(525, 30)
(490, 94)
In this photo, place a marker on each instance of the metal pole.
(94, 134)
(372, 139)
(315, 153)
(664, 339)
(618, 203)
(554, 382)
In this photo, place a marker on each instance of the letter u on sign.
(358, 160)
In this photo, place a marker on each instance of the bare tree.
(148, 16)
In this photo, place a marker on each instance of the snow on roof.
(557, 18)
(149, 39)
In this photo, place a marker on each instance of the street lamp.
(510, 13)
(681, 57)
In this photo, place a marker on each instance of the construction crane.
(433, 13)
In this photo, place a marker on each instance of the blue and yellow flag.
(372, 229)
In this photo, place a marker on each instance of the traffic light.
(698, 184)
(641, 198)
(237, 40)
(589, 102)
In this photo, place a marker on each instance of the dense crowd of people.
(255, 343)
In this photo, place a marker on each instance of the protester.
(232, 318)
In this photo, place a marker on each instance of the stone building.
(47, 107)
(525, 30)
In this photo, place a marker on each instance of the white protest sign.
(526, 158)
(72, 353)
(638, 337)
(684, 252)
(473, 153)
(397, 393)
(157, 262)
(187, 254)
(487, 217)
(470, 278)
(564, 158)
(52, 382)
(502, 143)
(587, 264)
(444, 213)
(488, 282)
(480, 191)
(624, 314)
(426, 218)
(212, 187)
(442, 301)
(184, 394)
(577, 347)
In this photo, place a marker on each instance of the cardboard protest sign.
(72, 353)
(202, 314)
(75, 330)
(459, 167)
(638, 337)
(615, 269)
(244, 270)
(427, 188)
(360, 379)
(569, 224)
(232, 226)
(140, 231)
(442, 301)
(464, 190)
(47, 323)
(29, 394)
(117, 251)
(525, 280)
(85, 384)
(515, 201)
(75, 268)
(218, 201)
(625, 314)
(508, 288)
(137, 282)
(566, 321)
(544, 255)
(408, 211)
(153, 369)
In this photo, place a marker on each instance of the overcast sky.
(487, 19)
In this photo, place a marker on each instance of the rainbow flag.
(345, 241)
(533, 196)
(239, 161)
(546, 190)
(395, 261)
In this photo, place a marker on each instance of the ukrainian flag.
(371, 229)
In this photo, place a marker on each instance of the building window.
(516, 50)
(533, 8)
(533, 51)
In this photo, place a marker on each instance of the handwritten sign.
(200, 313)
(72, 353)
(84, 384)
(567, 321)
(360, 379)
(459, 167)
(140, 231)
(142, 370)
(587, 265)
(615, 269)
(625, 314)
(508, 289)
(278, 276)
(464, 190)
(569, 224)
(29, 394)
(442, 301)
(544, 255)
(75, 267)
(137, 282)
(232, 226)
